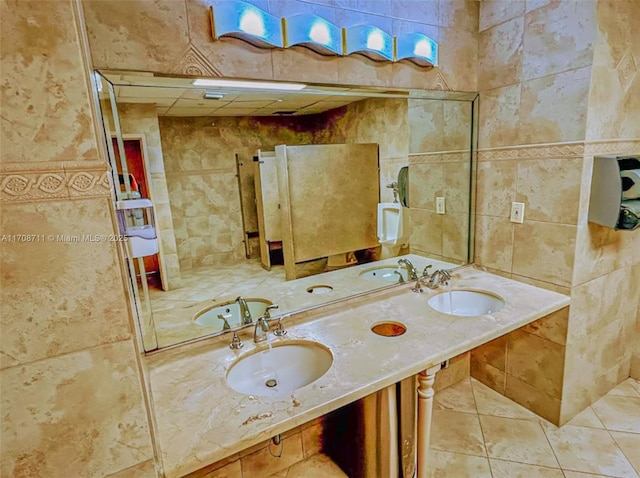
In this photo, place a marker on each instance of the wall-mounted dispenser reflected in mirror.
(207, 159)
(136, 222)
(615, 192)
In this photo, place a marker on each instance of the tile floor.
(478, 433)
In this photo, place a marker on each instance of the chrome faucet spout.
(413, 273)
(245, 313)
(262, 325)
(438, 278)
(261, 330)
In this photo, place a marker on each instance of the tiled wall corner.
(142, 120)
(458, 370)
(72, 393)
(511, 364)
(600, 337)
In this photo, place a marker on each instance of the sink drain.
(389, 329)
(271, 383)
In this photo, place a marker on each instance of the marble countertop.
(200, 419)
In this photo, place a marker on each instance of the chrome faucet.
(418, 287)
(413, 273)
(438, 278)
(245, 313)
(262, 325)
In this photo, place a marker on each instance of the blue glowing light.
(369, 41)
(313, 32)
(417, 48)
(247, 22)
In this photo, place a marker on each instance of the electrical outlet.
(440, 205)
(517, 212)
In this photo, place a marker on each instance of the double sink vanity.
(212, 401)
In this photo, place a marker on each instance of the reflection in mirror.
(272, 197)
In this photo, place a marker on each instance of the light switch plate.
(440, 205)
(517, 212)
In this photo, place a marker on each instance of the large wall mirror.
(268, 194)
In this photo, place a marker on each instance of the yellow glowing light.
(251, 22)
(423, 48)
(375, 41)
(319, 33)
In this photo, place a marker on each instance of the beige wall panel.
(332, 213)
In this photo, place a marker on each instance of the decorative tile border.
(461, 156)
(575, 149)
(57, 184)
(613, 146)
(533, 151)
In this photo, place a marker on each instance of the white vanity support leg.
(425, 412)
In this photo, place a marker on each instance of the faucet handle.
(236, 343)
(226, 323)
(279, 331)
(400, 278)
(425, 271)
(267, 313)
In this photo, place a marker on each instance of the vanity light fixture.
(246, 22)
(418, 48)
(255, 85)
(230, 18)
(369, 41)
(313, 32)
(208, 95)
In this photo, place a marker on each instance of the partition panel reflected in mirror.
(288, 198)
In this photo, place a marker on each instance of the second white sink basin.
(466, 302)
(280, 370)
(231, 311)
(384, 274)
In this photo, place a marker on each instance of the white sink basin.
(280, 370)
(384, 274)
(466, 302)
(231, 311)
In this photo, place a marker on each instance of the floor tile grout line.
(622, 451)
(551, 446)
(484, 440)
(530, 464)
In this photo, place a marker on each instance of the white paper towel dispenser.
(136, 221)
(615, 192)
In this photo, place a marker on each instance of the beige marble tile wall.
(614, 103)
(542, 96)
(136, 119)
(511, 364)
(383, 121)
(199, 156)
(142, 41)
(602, 332)
(634, 370)
(72, 392)
(440, 135)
